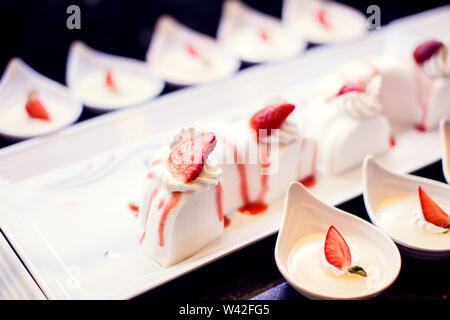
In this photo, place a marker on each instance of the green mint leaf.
(357, 270)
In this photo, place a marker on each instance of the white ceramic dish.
(444, 130)
(381, 184)
(98, 172)
(337, 23)
(84, 64)
(255, 37)
(185, 57)
(16, 83)
(304, 214)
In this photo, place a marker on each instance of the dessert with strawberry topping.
(105, 82)
(114, 88)
(416, 89)
(182, 208)
(420, 219)
(254, 36)
(326, 263)
(183, 57)
(205, 176)
(324, 21)
(32, 104)
(267, 153)
(344, 116)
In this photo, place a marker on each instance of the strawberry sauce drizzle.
(392, 142)
(226, 221)
(161, 204)
(425, 91)
(309, 181)
(259, 206)
(248, 207)
(134, 208)
(154, 193)
(176, 196)
(242, 170)
(219, 201)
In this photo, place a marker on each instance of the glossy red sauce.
(219, 201)
(154, 193)
(176, 196)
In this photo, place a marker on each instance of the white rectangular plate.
(63, 203)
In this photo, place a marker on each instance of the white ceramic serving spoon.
(86, 75)
(321, 21)
(17, 82)
(185, 57)
(303, 214)
(254, 36)
(381, 185)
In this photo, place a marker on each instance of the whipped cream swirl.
(209, 176)
(439, 64)
(288, 133)
(362, 105)
(419, 222)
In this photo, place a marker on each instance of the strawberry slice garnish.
(351, 87)
(426, 50)
(192, 51)
(264, 35)
(110, 83)
(271, 117)
(323, 19)
(35, 108)
(188, 157)
(432, 213)
(338, 253)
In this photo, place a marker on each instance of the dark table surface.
(250, 273)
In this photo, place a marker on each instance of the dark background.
(36, 32)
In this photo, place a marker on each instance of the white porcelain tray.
(15, 281)
(64, 200)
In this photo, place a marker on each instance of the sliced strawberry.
(35, 108)
(351, 87)
(432, 212)
(188, 157)
(110, 83)
(426, 50)
(271, 117)
(337, 251)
